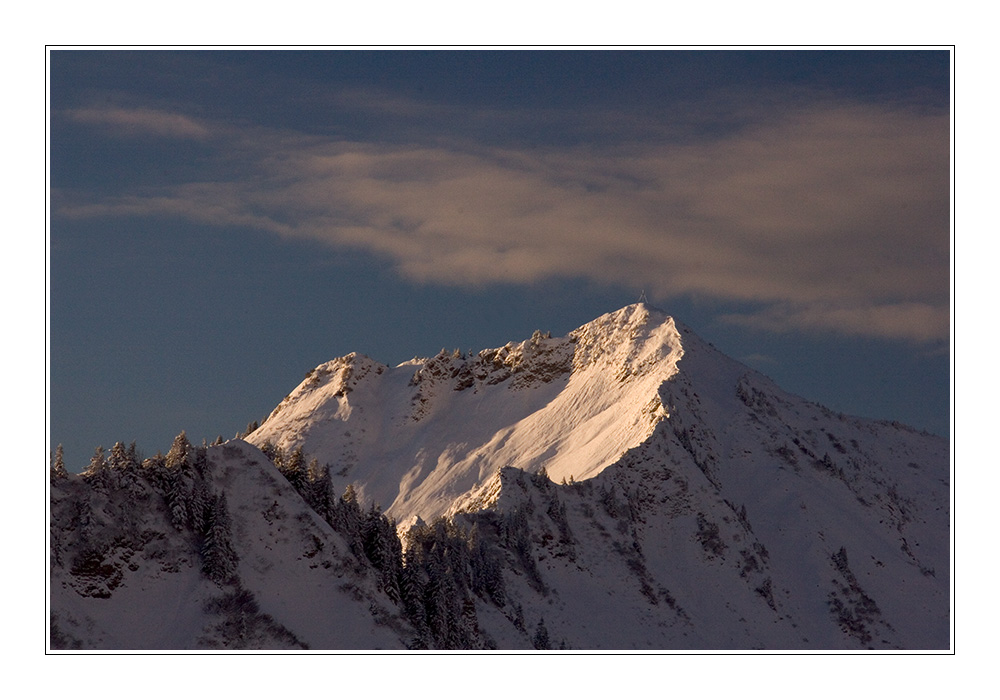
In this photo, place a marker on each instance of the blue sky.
(224, 221)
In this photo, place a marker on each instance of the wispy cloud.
(141, 121)
(832, 215)
(904, 321)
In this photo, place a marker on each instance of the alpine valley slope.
(625, 487)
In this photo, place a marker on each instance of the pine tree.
(347, 521)
(122, 476)
(541, 478)
(436, 595)
(323, 498)
(97, 462)
(470, 625)
(541, 638)
(219, 559)
(314, 472)
(133, 455)
(411, 593)
(392, 571)
(486, 569)
(294, 469)
(349, 495)
(273, 453)
(57, 469)
(518, 617)
(119, 458)
(382, 548)
(176, 497)
(610, 501)
(177, 457)
(200, 461)
(155, 464)
(200, 503)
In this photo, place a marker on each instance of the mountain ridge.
(569, 423)
(627, 486)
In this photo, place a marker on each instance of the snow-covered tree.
(57, 469)
(219, 559)
(154, 465)
(177, 499)
(486, 569)
(314, 472)
(347, 518)
(320, 494)
(294, 468)
(382, 548)
(121, 459)
(177, 457)
(541, 638)
(199, 504)
(273, 453)
(133, 454)
(200, 460)
(97, 462)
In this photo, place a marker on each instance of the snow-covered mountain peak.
(624, 486)
(422, 437)
(632, 341)
(636, 339)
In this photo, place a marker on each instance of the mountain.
(420, 437)
(627, 486)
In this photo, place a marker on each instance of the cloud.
(830, 215)
(904, 321)
(141, 121)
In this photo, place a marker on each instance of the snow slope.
(125, 577)
(625, 487)
(417, 437)
(737, 491)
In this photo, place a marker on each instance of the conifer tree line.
(121, 481)
(434, 574)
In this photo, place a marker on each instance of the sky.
(221, 222)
